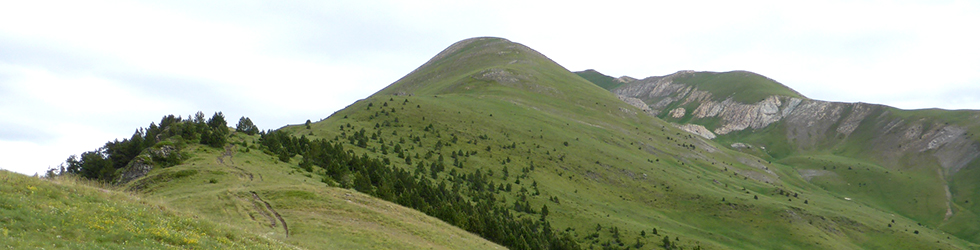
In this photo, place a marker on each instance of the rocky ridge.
(938, 144)
(809, 124)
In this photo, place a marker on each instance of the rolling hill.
(242, 186)
(232, 196)
(68, 213)
(926, 158)
(609, 173)
(492, 141)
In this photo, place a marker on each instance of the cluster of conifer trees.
(479, 211)
(467, 201)
(103, 164)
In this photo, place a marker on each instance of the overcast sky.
(76, 74)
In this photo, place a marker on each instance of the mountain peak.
(480, 62)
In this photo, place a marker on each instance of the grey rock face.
(811, 124)
(635, 102)
(810, 121)
(142, 164)
(859, 111)
(678, 112)
(136, 169)
(737, 116)
(696, 129)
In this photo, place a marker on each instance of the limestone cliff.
(926, 162)
(810, 125)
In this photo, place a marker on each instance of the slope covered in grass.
(244, 187)
(916, 163)
(743, 86)
(494, 138)
(604, 81)
(498, 114)
(66, 213)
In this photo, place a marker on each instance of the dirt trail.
(230, 157)
(227, 160)
(255, 205)
(269, 206)
(949, 196)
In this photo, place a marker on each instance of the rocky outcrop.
(657, 88)
(736, 116)
(811, 124)
(697, 130)
(141, 165)
(902, 142)
(678, 113)
(625, 79)
(637, 103)
(859, 111)
(951, 145)
(137, 168)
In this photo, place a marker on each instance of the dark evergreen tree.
(544, 213)
(217, 133)
(479, 213)
(246, 126)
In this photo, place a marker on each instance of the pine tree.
(544, 212)
(217, 134)
(246, 126)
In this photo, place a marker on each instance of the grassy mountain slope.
(604, 81)
(246, 188)
(916, 163)
(909, 180)
(609, 174)
(743, 86)
(67, 213)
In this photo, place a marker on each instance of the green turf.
(610, 175)
(743, 86)
(220, 186)
(66, 213)
(908, 182)
(603, 81)
(620, 168)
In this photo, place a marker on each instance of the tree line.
(480, 212)
(171, 134)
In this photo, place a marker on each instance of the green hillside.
(919, 164)
(743, 86)
(609, 175)
(490, 144)
(67, 213)
(228, 193)
(243, 186)
(882, 166)
(604, 81)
